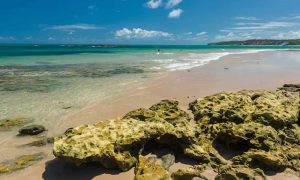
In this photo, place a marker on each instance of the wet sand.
(264, 70)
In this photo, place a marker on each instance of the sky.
(146, 21)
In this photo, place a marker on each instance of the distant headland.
(264, 42)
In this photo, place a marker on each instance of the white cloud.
(138, 33)
(288, 35)
(153, 4)
(28, 38)
(251, 18)
(201, 33)
(91, 7)
(173, 3)
(73, 27)
(296, 17)
(268, 25)
(176, 13)
(9, 38)
(51, 38)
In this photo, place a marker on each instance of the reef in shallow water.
(240, 135)
(20, 163)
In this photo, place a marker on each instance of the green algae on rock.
(278, 109)
(227, 172)
(150, 168)
(190, 173)
(7, 124)
(20, 163)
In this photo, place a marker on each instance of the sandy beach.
(264, 70)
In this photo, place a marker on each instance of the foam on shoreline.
(199, 59)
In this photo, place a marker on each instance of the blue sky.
(147, 21)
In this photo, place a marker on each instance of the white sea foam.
(191, 60)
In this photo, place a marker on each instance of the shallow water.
(48, 82)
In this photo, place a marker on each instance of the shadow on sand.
(59, 170)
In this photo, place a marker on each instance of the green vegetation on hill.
(288, 42)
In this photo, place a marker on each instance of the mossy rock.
(7, 124)
(20, 163)
(113, 143)
(190, 173)
(246, 136)
(272, 160)
(227, 172)
(150, 168)
(278, 109)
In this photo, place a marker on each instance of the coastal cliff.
(240, 135)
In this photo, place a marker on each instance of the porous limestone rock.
(113, 143)
(190, 173)
(227, 172)
(150, 168)
(278, 109)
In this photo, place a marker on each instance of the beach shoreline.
(262, 70)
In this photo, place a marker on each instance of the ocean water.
(47, 82)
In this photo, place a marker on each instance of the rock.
(278, 109)
(234, 133)
(267, 160)
(190, 173)
(41, 142)
(167, 110)
(113, 143)
(7, 124)
(20, 163)
(291, 87)
(246, 136)
(168, 160)
(150, 168)
(227, 172)
(32, 130)
(223, 107)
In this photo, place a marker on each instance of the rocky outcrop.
(238, 134)
(116, 143)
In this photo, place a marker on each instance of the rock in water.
(32, 130)
(20, 163)
(150, 168)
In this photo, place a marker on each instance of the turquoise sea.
(47, 82)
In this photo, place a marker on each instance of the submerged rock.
(150, 168)
(7, 124)
(41, 142)
(32, 130)
(20, 163)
